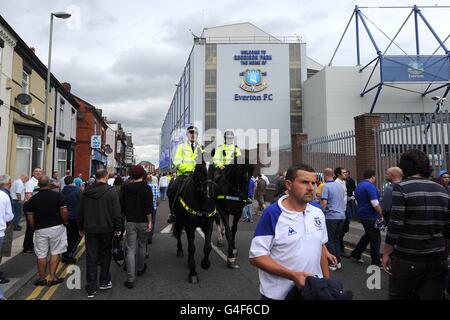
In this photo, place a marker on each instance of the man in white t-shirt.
(30, 187)
(6, 214)
(32, 183)
(289, 240)
(61, 182)
(341, 175)
(265, 179)
(163, 184)
(18, 197)
(111, 179)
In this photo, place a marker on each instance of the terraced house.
(7, 44)
(25, 122)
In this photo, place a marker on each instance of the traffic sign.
(96, 141)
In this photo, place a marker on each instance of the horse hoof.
(193, 279)
(220, 243)
(205, 264)
(180, 254)
(235, 253)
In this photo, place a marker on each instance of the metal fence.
(336, 150)
(427, 132)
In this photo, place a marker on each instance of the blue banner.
(164, 161)
(415, 69)
(98, 156)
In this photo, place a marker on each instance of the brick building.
(148, 166)
(89, 123)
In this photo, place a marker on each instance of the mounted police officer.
(225, 154)
(187, 155)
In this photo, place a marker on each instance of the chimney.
(67, 86)
(33, 49)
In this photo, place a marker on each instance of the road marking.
(48, 295)
(38, 290)
(167, 229)
(216, 249)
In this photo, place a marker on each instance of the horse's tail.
(177, 228)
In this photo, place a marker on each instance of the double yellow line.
(50, 292)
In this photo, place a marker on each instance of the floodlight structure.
(403, 69)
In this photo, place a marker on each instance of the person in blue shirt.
(247, 210)
(153, 183)
(369, 210)
(333, 201)
(445, 177)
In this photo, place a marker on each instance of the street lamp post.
(61, 15)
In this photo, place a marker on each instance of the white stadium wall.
(271, 109)
(331, 99)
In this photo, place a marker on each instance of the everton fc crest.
(253, 80)
(317, 223)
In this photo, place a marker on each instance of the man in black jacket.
(71, 195)
(99, 218)
(137, 206)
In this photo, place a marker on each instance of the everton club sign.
(253, 81)
(253, 78)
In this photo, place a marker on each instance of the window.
(25, 89)
(71, 160)
(73, 125)
(1, 56)
(295, 88)
(62, 160)
(95, 128)
(40, 153)
(210, 77)
(118, 146)
(24, 150)
(61, 118)
(210, 87)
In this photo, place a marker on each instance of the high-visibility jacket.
(185, 159)
(222, 158)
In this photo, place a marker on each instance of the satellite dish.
(108, 149)
(24, 99)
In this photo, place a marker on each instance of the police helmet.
(192, 128)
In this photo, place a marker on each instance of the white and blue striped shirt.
(292, 239)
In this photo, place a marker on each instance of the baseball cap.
(137, 172)
(442, 172)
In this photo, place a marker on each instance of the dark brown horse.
(194, 207)
(233, 196)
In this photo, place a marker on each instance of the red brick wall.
(85, 128)
(297, 140)
(365, 142)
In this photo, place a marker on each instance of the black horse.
(194, 207)
(233, 196)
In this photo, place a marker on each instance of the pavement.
(167, 275)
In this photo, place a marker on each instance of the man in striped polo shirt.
(415, 253)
